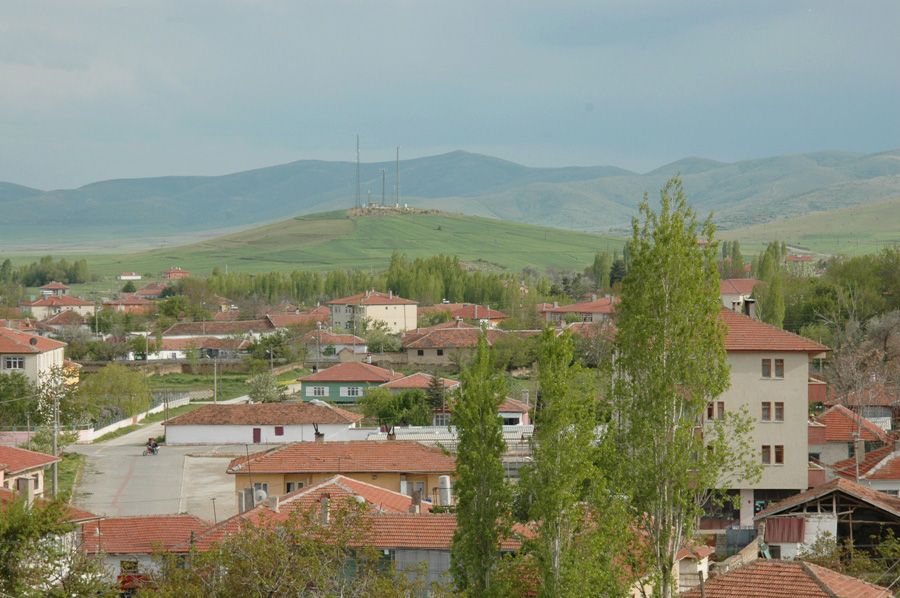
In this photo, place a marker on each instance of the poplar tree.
(670, 363)
(484, 499)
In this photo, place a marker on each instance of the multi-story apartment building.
(397, 314)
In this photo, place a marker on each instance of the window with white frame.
(351, 391)
(441, 419)
(14, 363)
(317, 391)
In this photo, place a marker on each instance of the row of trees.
(606, 514)
(44, 271)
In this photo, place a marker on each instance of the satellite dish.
(33, 341)
(260, 496)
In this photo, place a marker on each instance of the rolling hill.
(366, 239)
(125, 215)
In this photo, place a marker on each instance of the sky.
(105, 89)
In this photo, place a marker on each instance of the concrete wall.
(243, 434)
(816, 525)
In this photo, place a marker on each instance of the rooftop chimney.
(25, 487)
(390, 294)
(273, 503)
(325, 514)
(320, 437)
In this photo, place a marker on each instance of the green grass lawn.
(229, 385)
(68, 471)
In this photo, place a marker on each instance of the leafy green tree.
(484, 499)
(115, 391)
(670, 363)
(18, 400)
(379, 340)
(514, 350)
(562, 477)
(305, 555)
(34, 559)
(771, 307)
(264, 388)
(436, 393)
(408, 408)
(129, 287)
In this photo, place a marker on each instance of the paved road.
(118, 480)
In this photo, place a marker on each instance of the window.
(720, 410)
(128, 567)
(779, 454)
(441, 419)
(440, 352)
(816, 456)
(779, 368)
(317, 391)
(766, 415)
(14, 363)
(710, 411)
(420, 352)
(413, 486)
(279, 430)
(766, 454)
(264, 486)
(779, 412)
(291, 486)
(766, 368)
(353, 391)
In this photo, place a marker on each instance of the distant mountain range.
(598, 199)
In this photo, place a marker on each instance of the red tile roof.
(67, 317)
(876, 395)
(465, 311)
(513, 406)
(226, 316)
(307, 317)
(798, 258)
(880, 464)
(372, 298)
(128, 299)
(890, 504)
(418, 380)
(16, 460)
(841, 424)
(361, 456)
(352, 371)
(782, 579)
(606, 305)
(16, 341)
(54, 301)
(458, 335)
(265, 414)
(737, 286)
(153, 289)
(749, 334)
(204, 328)
(53, 286)
(326, 337)
(144, 534)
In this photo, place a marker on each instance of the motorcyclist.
(152, 445)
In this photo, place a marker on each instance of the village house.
(765, 578)
(324, 345)
(34, 356)
(877, 403)
(769, 378)
(596, 310)
(470, 312)
(54, 289)
(734, 293)
(127, 545)
(128, 276)
(879, 469)
(16, 463)
(175, 273)
(202, 346)
(257, 423)
(841, 439)
(47, 306)
(65, 319)
(351, 313)
(152, 290)
(845, 510)
(345, 382)
(130, 303)
(800, 265)
(444, 344)
(402, 467)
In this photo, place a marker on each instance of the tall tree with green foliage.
(670, 363)
(264, 388)
(407, 408)
(484, 499)
(770, 300)
(570, 556)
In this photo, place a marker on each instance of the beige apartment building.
(769, 377)
(397, 314)
(31, 355)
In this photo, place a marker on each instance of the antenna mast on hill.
(398, 176)
(357, 172)
(382, 187)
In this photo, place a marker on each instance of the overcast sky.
(99, 89)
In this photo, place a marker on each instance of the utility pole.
(382, 187)
(55, 436)
(398, 176)
(215, 386)
(357, 172)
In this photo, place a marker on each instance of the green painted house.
(344, 383)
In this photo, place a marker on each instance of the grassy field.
(333, 240)
(852, 231)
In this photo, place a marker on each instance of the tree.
(18, 400)
(670, 363)
(34, 559)
(264, 388)
(437, 393)
(115, 391)
(305, 554)
(129, 287)
(563, 476)
(409, 408)
(771, 301)
(484, 499)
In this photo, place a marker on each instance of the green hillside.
(852, 231)
(366, 240)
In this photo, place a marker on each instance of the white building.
(397, 314)
(34, 356)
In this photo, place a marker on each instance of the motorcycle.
(151, 451)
